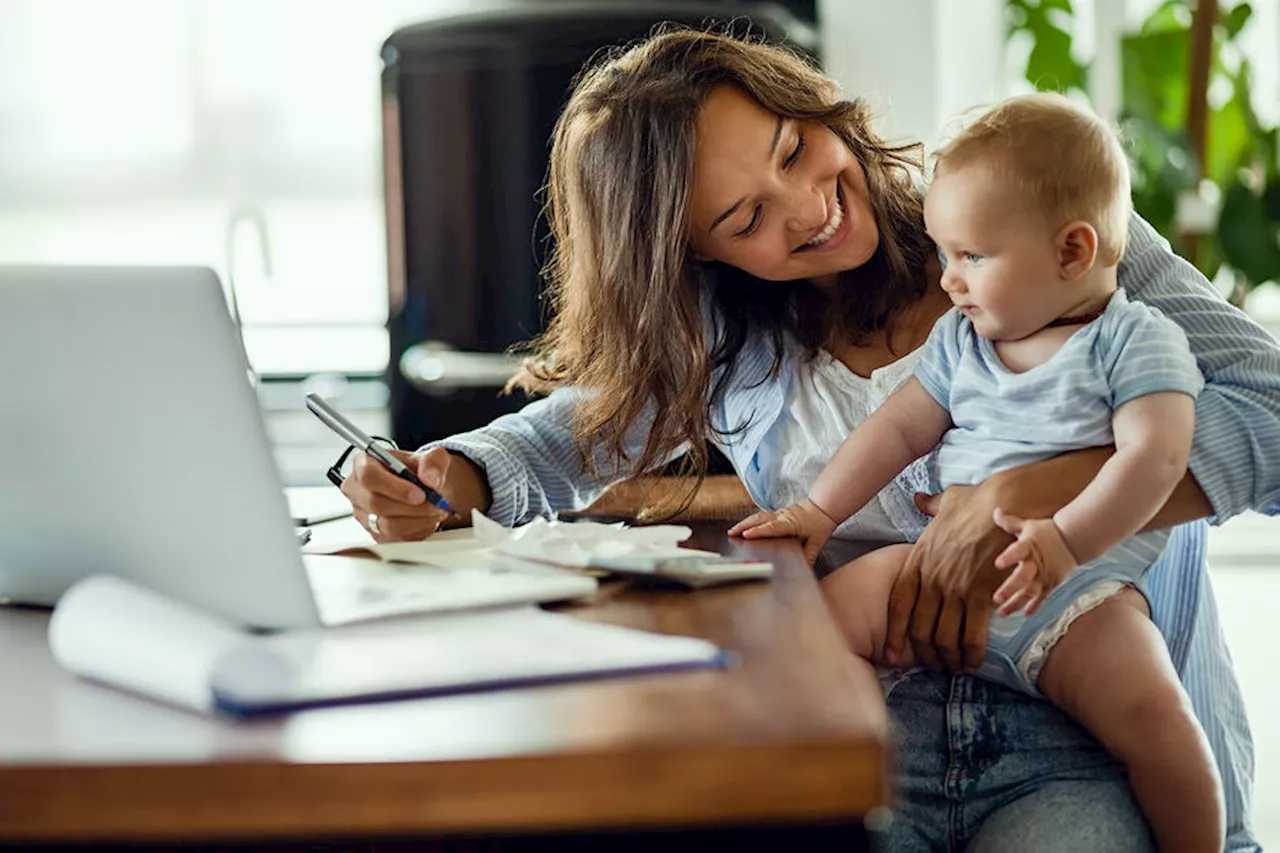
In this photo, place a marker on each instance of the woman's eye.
(795, 153)
(752, 225)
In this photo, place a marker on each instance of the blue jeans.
(985, 769)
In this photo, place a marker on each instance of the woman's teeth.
(837, 218)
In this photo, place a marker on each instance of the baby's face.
(999, 263)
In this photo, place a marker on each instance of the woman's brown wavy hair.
(625, 291)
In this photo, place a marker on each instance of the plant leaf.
(1168, 16)
(1235, 20)
(1155, 76)
(1271, 201)
(1051, 65)
(1231, 146)
(1248, 239)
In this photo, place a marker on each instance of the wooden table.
(792, 736)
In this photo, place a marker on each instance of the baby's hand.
(804, 520)
(1040, 560)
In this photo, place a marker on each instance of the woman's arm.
(522, 465)
(1153, 437)
(518, 467)
(531, 464)
(1235, 454)
(1042, 488)
(942, 600)
(529, 458)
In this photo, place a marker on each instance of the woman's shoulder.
(1140, 240)
(1150, 270)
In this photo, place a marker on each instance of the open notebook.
(316, 504)
(116, 632)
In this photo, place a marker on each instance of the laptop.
(133, 446)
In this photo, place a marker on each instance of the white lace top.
(826, 402)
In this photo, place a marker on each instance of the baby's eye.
(942, 259)
(972, 257)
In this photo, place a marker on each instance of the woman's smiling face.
(778, 198)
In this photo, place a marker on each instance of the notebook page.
(117, 632)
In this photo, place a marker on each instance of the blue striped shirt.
(533, 470)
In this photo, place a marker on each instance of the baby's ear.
(1077, 248)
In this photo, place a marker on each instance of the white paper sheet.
(118, 632)
(572, 545)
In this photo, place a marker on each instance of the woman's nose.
(808, 208)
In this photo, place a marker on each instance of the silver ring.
(373, 523)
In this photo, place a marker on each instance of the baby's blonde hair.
(1067, 163)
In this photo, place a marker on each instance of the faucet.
(251, 215)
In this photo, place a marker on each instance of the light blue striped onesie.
(1002, 419)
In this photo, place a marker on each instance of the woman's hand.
(942, 599)
(393, 510)
(804, 520)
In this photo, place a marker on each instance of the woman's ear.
(1077, 248)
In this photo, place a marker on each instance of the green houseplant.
(1238, 182)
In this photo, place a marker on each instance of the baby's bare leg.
(1111, 671)
(857, 594)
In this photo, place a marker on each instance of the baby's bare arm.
(908, 425)
(1153, 439)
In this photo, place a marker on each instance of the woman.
(740, 259)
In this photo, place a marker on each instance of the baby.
(1040, 355)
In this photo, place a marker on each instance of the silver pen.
(356, 437)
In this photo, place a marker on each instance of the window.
(239, 134)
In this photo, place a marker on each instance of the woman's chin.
(858, 249)
(866, 252)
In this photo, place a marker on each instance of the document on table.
(647, 551)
